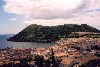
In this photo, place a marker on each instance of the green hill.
(39, 33)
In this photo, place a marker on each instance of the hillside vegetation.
(39, 33)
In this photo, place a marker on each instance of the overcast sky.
(15, 15)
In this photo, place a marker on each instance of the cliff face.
(39, 33)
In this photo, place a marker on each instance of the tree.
(39, 60)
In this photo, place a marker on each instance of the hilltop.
(39, 33)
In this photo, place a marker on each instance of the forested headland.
(39, 33)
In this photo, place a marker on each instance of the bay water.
(4, 43)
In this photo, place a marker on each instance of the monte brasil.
(42, 34)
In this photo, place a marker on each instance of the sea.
(4, 43)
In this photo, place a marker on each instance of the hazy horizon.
(15, 15)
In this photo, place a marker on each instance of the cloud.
(93, 21)
(12, 19)
(43, 9)
(55, 12)
(46, 22)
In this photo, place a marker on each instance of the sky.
(15, 15)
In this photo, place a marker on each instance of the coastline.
(63, 50)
